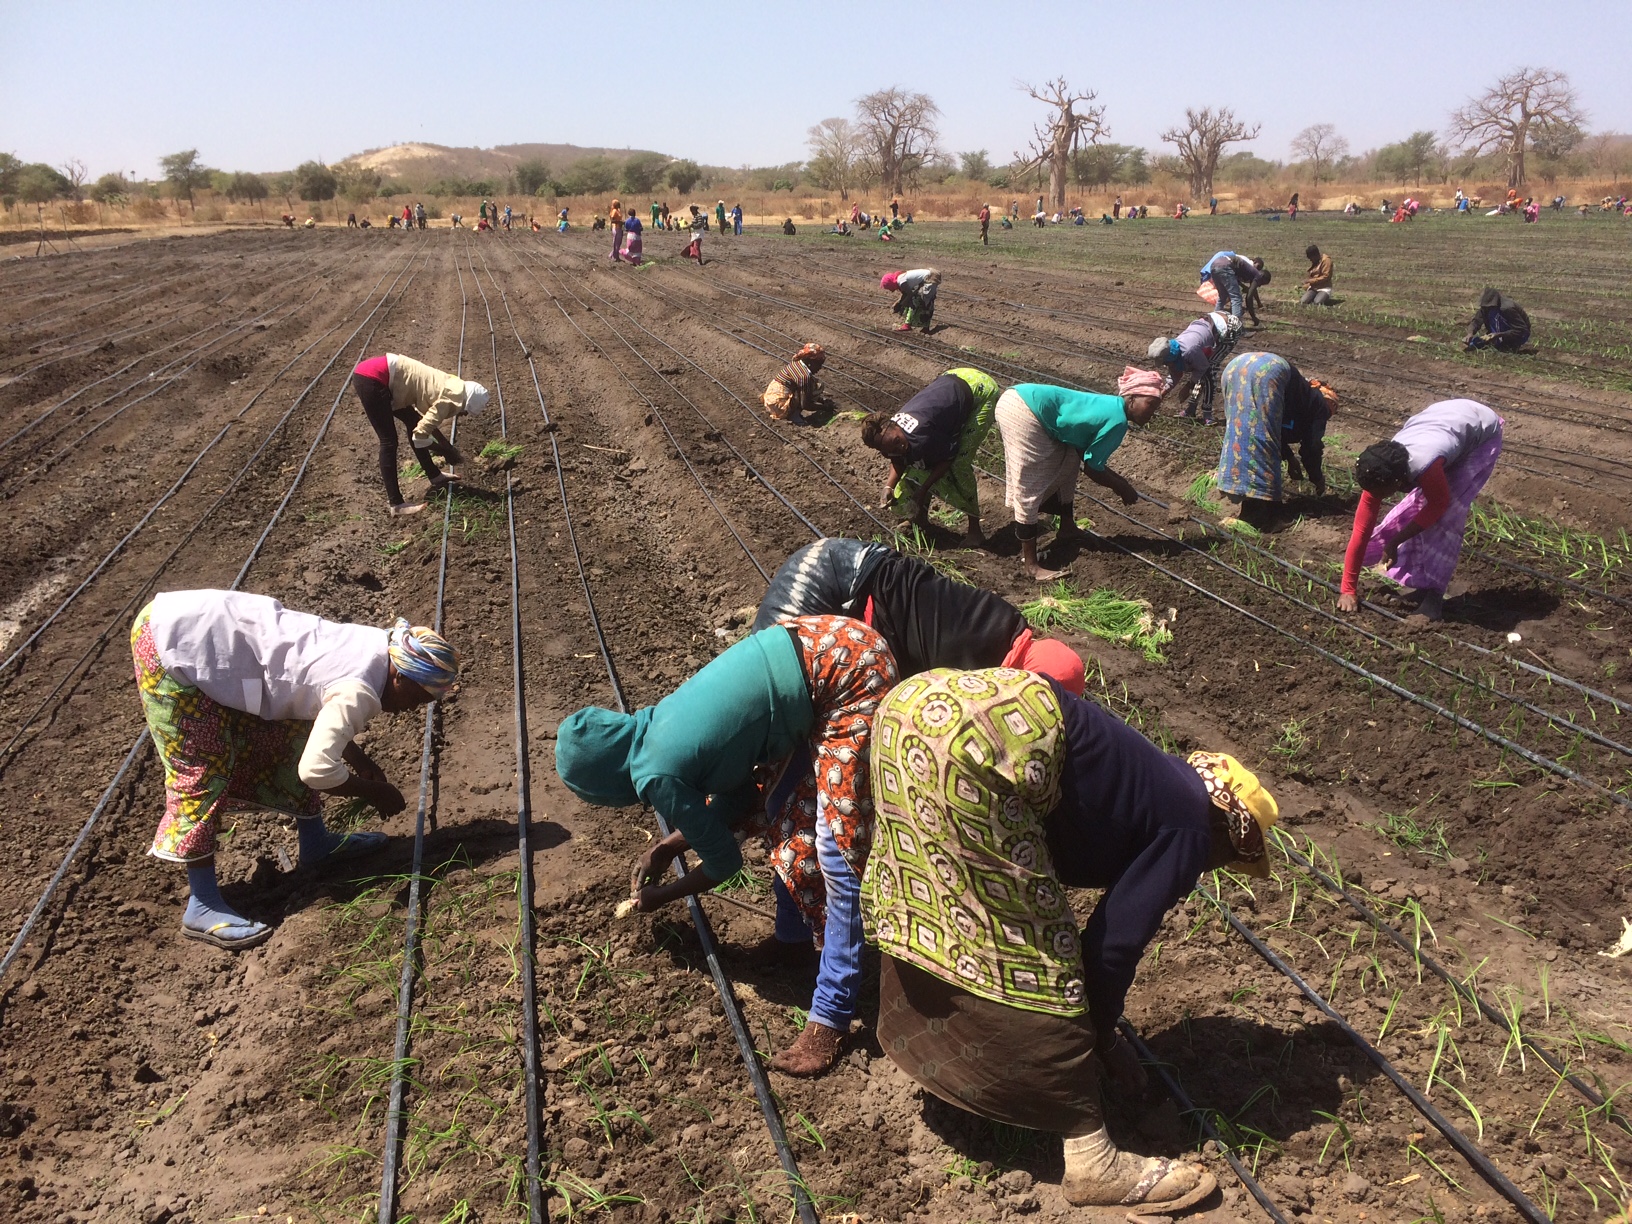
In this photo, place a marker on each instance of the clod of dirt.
(1355, 1187)
(32, 990)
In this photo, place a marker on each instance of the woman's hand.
(651, 865)
(382, 796)
(1348, 603)
(1123, 1068)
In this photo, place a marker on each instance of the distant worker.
(1192, 360)
(630, 252)
(1116, 209)
(407, 217)
(616, 221)
(657, 215)
(1292, 207)
(561, 222)
(985, 216)
(695, 249)
(1317, 283)
(351, 220)
(931, 441)
(736, 219)
(456, 222)
(1228, 272)
(288, 220)
(1441, 459)
(917, 288)
(788, 227)
(1048, 433)
(251, 703)
(1499, 323)
(795, 391)
(395, 388)
(419, 215)
(719, 216)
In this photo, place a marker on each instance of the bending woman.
(1047, 431)
(252, 705)
(996, 790)
(917, 288)
(928, 620)
(1440, 458)
(931, 443)
(797, 699)
(1193, 358)
(395, 388)
(1265, 398)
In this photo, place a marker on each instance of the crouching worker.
(927, 619)
(931, 444)
(1499, 323)
(1440, 459)
(796, 700)
(795, 391)
(252, 705)
(994, 791)
(395, 388)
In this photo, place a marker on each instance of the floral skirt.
(958, 488)
(849, 668)
(1249, 466)
(215, 758)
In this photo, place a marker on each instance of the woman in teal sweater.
(797, 700)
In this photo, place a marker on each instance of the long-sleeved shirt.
(1506, 316)
(250, 653)
(1134, 821)
(1093, 425)
(694, 761)
(1304, 416)
(1320, 274)
(1436, 439)
(927, 619)
(435, 394)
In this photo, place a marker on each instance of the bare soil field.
(174, 413)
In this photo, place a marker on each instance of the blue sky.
(265, 85)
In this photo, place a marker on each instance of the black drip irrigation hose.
(1411, 949)
(141, 738)
(802, 1203)
(395, 1115)
(1477, 1160)
(527, 933)
(1377, 639)
(1182, 1099)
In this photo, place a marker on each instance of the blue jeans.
(839, 972)
(1228, 287)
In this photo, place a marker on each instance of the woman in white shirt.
(253, 705)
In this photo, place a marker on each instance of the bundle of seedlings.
(1104, 614)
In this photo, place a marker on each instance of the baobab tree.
(1502, 117)
(1067, 130)
(1201, 139)
(1320, 146)
(835, 148)
(898, 133)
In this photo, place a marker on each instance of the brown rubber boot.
(1098, 1175)
(814, 1052)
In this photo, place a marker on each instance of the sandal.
(259, 934)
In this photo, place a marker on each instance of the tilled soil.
(146, 1077)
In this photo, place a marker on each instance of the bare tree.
(77, 174)
(898, 132)
(1202, 138)
(835, 148)
(1320, 146)
(1502, 116)
(1066, 131)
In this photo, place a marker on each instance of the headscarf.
(1158, 350)
(813, 355)
(1248, 809)
(888, 280)
(423, 655)
(476, 397)
(592, 751)
(1048, 657)
(1325, 389)
(1135, 381)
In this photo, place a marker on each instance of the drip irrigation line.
(712, 428)
(395, 1115)
(1477, 1160)
(527, 934)
(1375, 638)
(1182, 1099)
(142, 736)
(221, 498)
(802, 1203)
(1428, 962)
(1562, 581)
(1547, 674)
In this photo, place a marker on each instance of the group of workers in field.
(924, 770)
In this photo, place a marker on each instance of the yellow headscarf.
(1249, 810)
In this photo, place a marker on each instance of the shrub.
(314, 181)
(684, 175)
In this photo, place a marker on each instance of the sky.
(266, 85)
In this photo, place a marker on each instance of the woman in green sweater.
(795, 700)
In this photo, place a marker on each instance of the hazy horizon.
(267, 88)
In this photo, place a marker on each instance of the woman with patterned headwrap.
(795, 390)
(795, 702)
(993, 792)
(250, 704)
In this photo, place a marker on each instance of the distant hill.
(425, 163)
